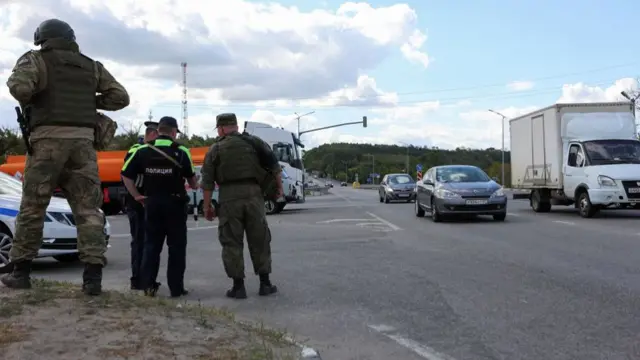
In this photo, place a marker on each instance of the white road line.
(188, 229)
(564, 222)
(341, 220)
(343, 197)
(394, 227)
(421, 350)
(512, 214)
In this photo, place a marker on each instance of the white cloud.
(581, 92)
(520, 85)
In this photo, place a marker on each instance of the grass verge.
(55, 320)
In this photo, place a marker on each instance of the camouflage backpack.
(105, 131)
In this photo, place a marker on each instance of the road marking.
(188, 229)
(343, 198)
(341, 220)
(394, 227)
(564, 222)
(512, 214)
(421, 350)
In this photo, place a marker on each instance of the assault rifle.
(23, 121)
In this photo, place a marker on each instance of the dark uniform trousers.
(165, 217)
(135, 213)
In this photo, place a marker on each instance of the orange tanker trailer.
(109, 165)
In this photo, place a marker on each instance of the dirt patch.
(55, 320)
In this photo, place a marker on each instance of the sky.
(423, 72)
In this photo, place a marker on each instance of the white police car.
(60, 238)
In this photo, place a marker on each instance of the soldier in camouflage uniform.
(237, 162)
(58, 84)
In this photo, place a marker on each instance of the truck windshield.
(602, 152)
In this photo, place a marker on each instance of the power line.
(442, 101)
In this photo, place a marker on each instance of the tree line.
(344, 161)
(11, 142)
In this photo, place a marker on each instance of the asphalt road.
(365, 280)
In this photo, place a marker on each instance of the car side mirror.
(428, 182)
(495, 178)
(383, 183)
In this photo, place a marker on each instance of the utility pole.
(150, 117)
(185, 121)
(373, 168)
(407, 159)
(503, 119)
(298, 118)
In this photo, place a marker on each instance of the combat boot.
(92, 279)
(266, 287)
(238, 290)
(20, 277)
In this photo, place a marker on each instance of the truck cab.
(602, 173)
(287, 148)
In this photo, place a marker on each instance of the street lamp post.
(503, 119)
(634, 100)
(298, 118)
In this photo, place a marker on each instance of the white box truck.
(586, 155)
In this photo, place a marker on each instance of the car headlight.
(605, 181)
(389, 189)
(446, 194)
(498, 193)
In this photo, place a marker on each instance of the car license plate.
(476, 202)
(403, 195)
(634, 190)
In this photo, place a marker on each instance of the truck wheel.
(538, 205)
(281, 206)
(585, 208)
(270, 207)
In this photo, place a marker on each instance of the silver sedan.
(459, 190)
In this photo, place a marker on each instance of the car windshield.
(461, 174)
(400, 180)
(613, 151)
(9, 185)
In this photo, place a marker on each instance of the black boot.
(237, 291)
(152, 290)
(135, 284)
(92, 279)
(20, 276)
(266, 287)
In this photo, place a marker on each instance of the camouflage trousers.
(70, 164)
(237, 217)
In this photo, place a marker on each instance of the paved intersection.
(365, 280)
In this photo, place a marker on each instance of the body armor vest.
(160, 170)
(237, 161)
(70, 95)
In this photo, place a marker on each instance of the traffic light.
(364, 121)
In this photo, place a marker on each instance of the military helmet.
(51, 29)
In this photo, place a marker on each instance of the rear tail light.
(105, 196)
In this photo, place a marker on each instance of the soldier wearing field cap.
(239, 164)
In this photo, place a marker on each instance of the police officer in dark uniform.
(165, 165)
(135, 210)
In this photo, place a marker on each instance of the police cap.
(228, 119)
(151, 124)
(170, 122)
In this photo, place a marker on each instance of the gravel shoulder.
(55, 320)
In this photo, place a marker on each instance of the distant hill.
(344, 160)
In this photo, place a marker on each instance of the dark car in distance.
(397, 187)
(459, 190)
